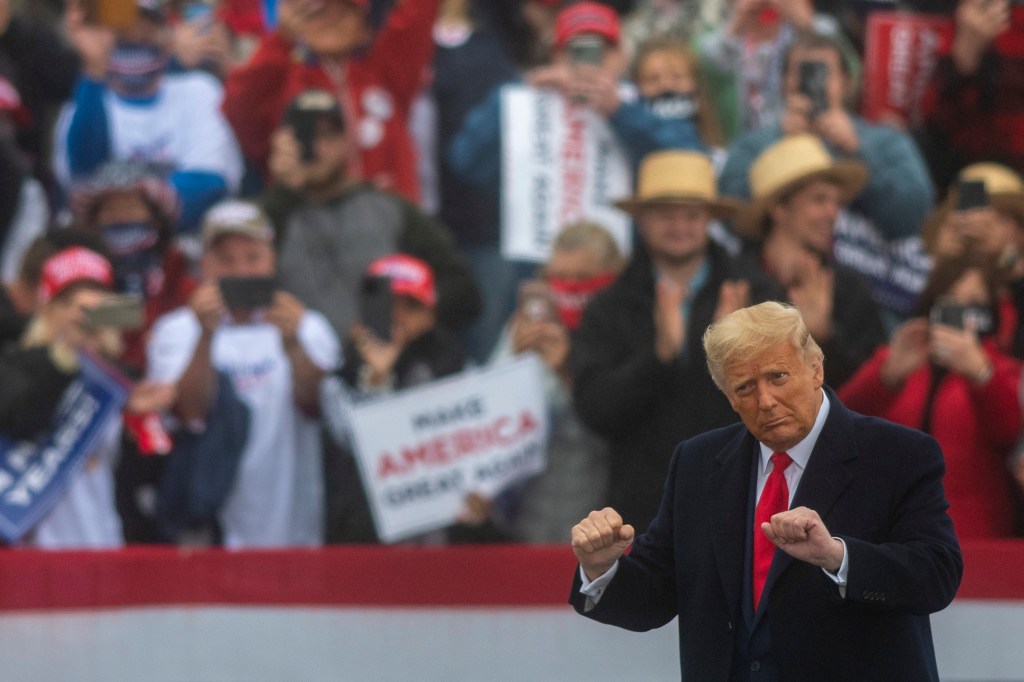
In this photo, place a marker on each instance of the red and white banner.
(900, 53)
(561, 163)
(422, 450)
(388, 613)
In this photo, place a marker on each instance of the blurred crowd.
(201, 194)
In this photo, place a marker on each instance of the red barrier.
(471, 576)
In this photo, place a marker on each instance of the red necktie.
(774, 499)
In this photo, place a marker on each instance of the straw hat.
(677, 177)
(1005, 192)
(783, 166)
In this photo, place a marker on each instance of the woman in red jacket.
(943, 373)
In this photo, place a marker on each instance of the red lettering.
(388, 466)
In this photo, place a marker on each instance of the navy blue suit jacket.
(875, 484)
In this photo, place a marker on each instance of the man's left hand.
(801, 533)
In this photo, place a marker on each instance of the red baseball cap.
(586, 17)
(72, 265)
(409, 277)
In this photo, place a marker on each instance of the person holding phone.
(877, 234)
(74, 283)
(331, 224)
(942, 372)
(396, 344)
(274, 351)
(584, 261)
(375, 76)
(984, 214)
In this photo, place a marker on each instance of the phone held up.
(813, 84)
(376, 302)
(586, 49)
(116, 311)
(959, 316)
(247, 293)
(536, 302)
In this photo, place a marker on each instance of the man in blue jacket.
(855, 503)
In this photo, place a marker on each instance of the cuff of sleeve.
(594, 590)
(840, 577)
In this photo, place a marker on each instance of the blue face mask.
(680, 106)
(136, 68)
(135, 255)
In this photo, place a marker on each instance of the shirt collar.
(801, 452)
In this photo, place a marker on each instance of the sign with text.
(561, 163)
(421, 450)
(33, 476)
(900, 53)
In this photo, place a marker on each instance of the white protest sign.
(420, 451)
(561, 163)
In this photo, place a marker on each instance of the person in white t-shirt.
(127, 105)
(275, 352)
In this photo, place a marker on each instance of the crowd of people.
(229, 174)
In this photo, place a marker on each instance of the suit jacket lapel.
(828, 474)
(728, 494)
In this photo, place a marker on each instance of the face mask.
(674, 105)
(135, 68)
(135, 256)
(572, 296)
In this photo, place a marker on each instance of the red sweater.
(975, 426)
(376, 92)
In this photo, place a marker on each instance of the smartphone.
(116, 311)
(304, 115)
(247, 293)
(971, 194)
(813, 83)
(536, 302)
(586, 49)
(376, 302)
(956, 315)
(116, 14)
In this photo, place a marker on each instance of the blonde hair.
(747, 332)
(593, 237)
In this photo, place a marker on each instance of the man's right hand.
(285, 163)
(599, 540)
(208, 306)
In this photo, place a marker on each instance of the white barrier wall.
(522, 634)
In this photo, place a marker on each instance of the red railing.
(466, 576)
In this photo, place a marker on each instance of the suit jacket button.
(755, 666)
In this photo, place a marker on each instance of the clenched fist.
(599, 540)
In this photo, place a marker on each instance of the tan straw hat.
(783, 166)
(678, 177)
(1005, 192)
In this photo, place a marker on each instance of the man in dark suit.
(868, 550)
